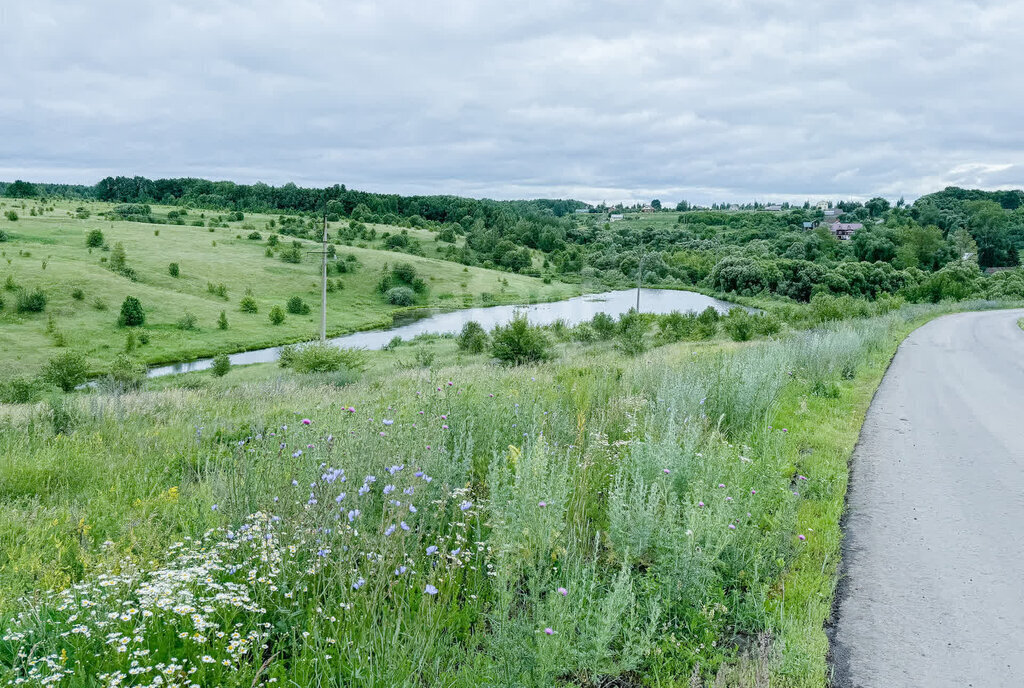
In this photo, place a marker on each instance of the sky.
(600, 100)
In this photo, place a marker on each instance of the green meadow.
(216, 268)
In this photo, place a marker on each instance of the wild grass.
(669, 519)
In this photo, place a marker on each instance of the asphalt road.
(932, 585)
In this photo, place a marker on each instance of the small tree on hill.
(66, 370)
(132, 314)
(94, 239)
(519, 342)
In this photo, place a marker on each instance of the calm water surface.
(573, 311)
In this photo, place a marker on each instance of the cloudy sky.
(721, 100)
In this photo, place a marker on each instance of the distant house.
(773, 208)
(845, 230)
(582, 211)
(648, 209)
(821, 205)
(833, 212)
(810, 225)
(615, 217)
(734, 206)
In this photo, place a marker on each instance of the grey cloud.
(608, 100)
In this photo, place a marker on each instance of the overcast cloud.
(614, 100)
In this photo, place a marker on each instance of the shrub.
(255, 236)
(292, 255)
(11, 215)
(10, 284)
(676, 326)
(77, 294)
(400, 296)
(118, 258)
(222, 321)
(248, 303)
(766, 324)
(33, 301)
(706, 324)
(321, 358)
(132, 314)
(631, 330)
(126, 374)
(221, 365)
(21, 390)
(66, 370)
(519, 342)
(425, 357)
(220, 290)
(174, 269)
(604, 326)
(272, 239)
(187, 321)
(296, 306)
(472, 338)
(3, 236)
(739, 324)
(276, 315)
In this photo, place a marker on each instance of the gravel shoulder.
(931, 591)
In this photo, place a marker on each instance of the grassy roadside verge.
(824, 432)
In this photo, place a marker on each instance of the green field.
(50, 252)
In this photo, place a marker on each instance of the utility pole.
(323, 280)
(640, 275)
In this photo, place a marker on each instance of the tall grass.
(475, 526)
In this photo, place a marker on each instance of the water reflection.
(573, 311)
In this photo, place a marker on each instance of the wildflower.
(340, 497)
(387, 422)
(400, 570)
(801, 537)
(297, 454)
(700, 503)
(207, 659)
(801, 477)
(732, 527)
(390, 529)
(563, 592)
(753, 492)
(444, 427)
(444, 416)
(306, 421)
(549, 631)
(721, 484)
(352, 515)
(466, 505)
(430, 589)
(359, 583)
(351, 409)
(431, 550)
(542, 504)
(403, 525)
(412, 509)
(666, 471)
(213, 508)
(388, 489)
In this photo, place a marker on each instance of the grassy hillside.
(669, 519)
(84, 295)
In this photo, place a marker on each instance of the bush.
(472, 338)
(220, 290)
(173, 269)
(631, 330)
(292, 255)
(222, 321)
(321, 358)
(272, 240)
(33, 301)
(248, 303)
(276, 315)
(126, 374)
(187, 321)
(296, 306)
(66, 370)
(739, 324)
(77, 294)
(400, 296)
(21, 390)
(132, 314)
(11, 215)
(519, 342)
(766, 324)
(706, 324)
(255, 236)
(604, 326)
(221, 365)
(3, 236)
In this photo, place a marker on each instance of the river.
(572, 311)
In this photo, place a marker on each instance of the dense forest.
(931, 250)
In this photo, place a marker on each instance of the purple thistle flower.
(563, 592)
(549, 631)
(306, 421)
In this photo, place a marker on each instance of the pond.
(573, 311)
